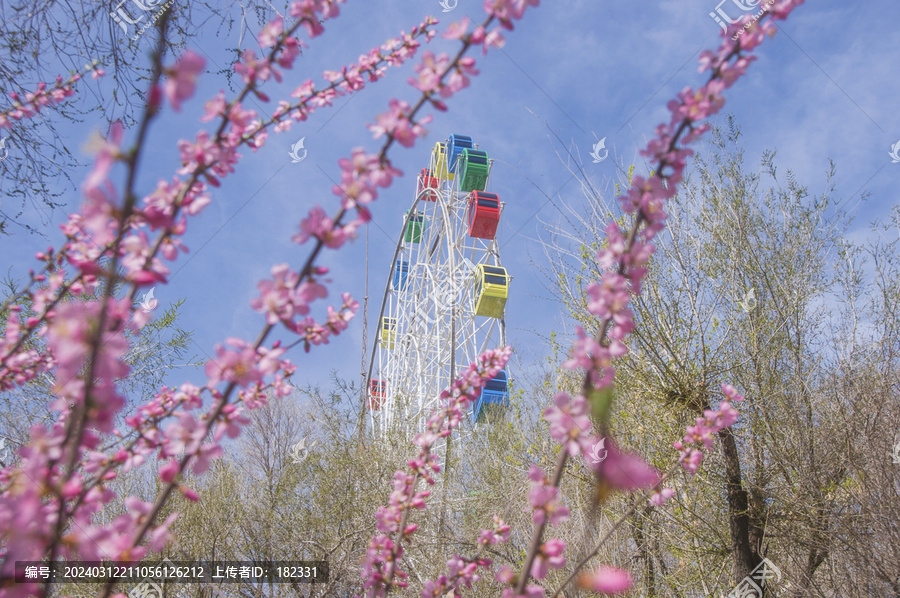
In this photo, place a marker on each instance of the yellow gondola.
(388, 332)
(439, 162)
(491, 290)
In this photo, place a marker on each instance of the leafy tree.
(756, 283)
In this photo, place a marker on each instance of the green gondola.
(474, 168)
(414, 228)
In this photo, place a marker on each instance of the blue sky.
(824, 88)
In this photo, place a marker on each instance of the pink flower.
(397, 124)
(456, 30)
(276, 296)
(270, 33)
(611, 254)
(232, 420)
(182, 79)
(569, 422)
(499, 534)
(320, 226)
(458, 79)
(189, 494)
(205, 454)
(108, 151)
(168, 471)
(610, 298)
(691, 458)
(705, 428)
(215, 107)
(354, 190)
(549, 556)
(252, 70)
(506, 575)
(238, 366)
(543, 499)
(493, 39)
(732, 394)
(593, 357)
(659, 498)
(608, 580)
(289, 51)
(625, 471)
(430, 71)
(160, 535)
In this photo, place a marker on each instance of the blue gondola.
(455, 145)
(494, 397)
(401, 271)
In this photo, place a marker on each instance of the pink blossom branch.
(44, 96)
(463, 571)
(704, 430)
(385, 550)
(76, 424)
(334, 322)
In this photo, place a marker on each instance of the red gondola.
(377, 394)
(484, 214)
(427, 180)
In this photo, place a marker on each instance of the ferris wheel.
(445, 297)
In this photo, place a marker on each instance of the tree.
(759, 287)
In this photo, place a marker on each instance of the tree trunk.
(746, 556)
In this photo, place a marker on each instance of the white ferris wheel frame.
(437, 333)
